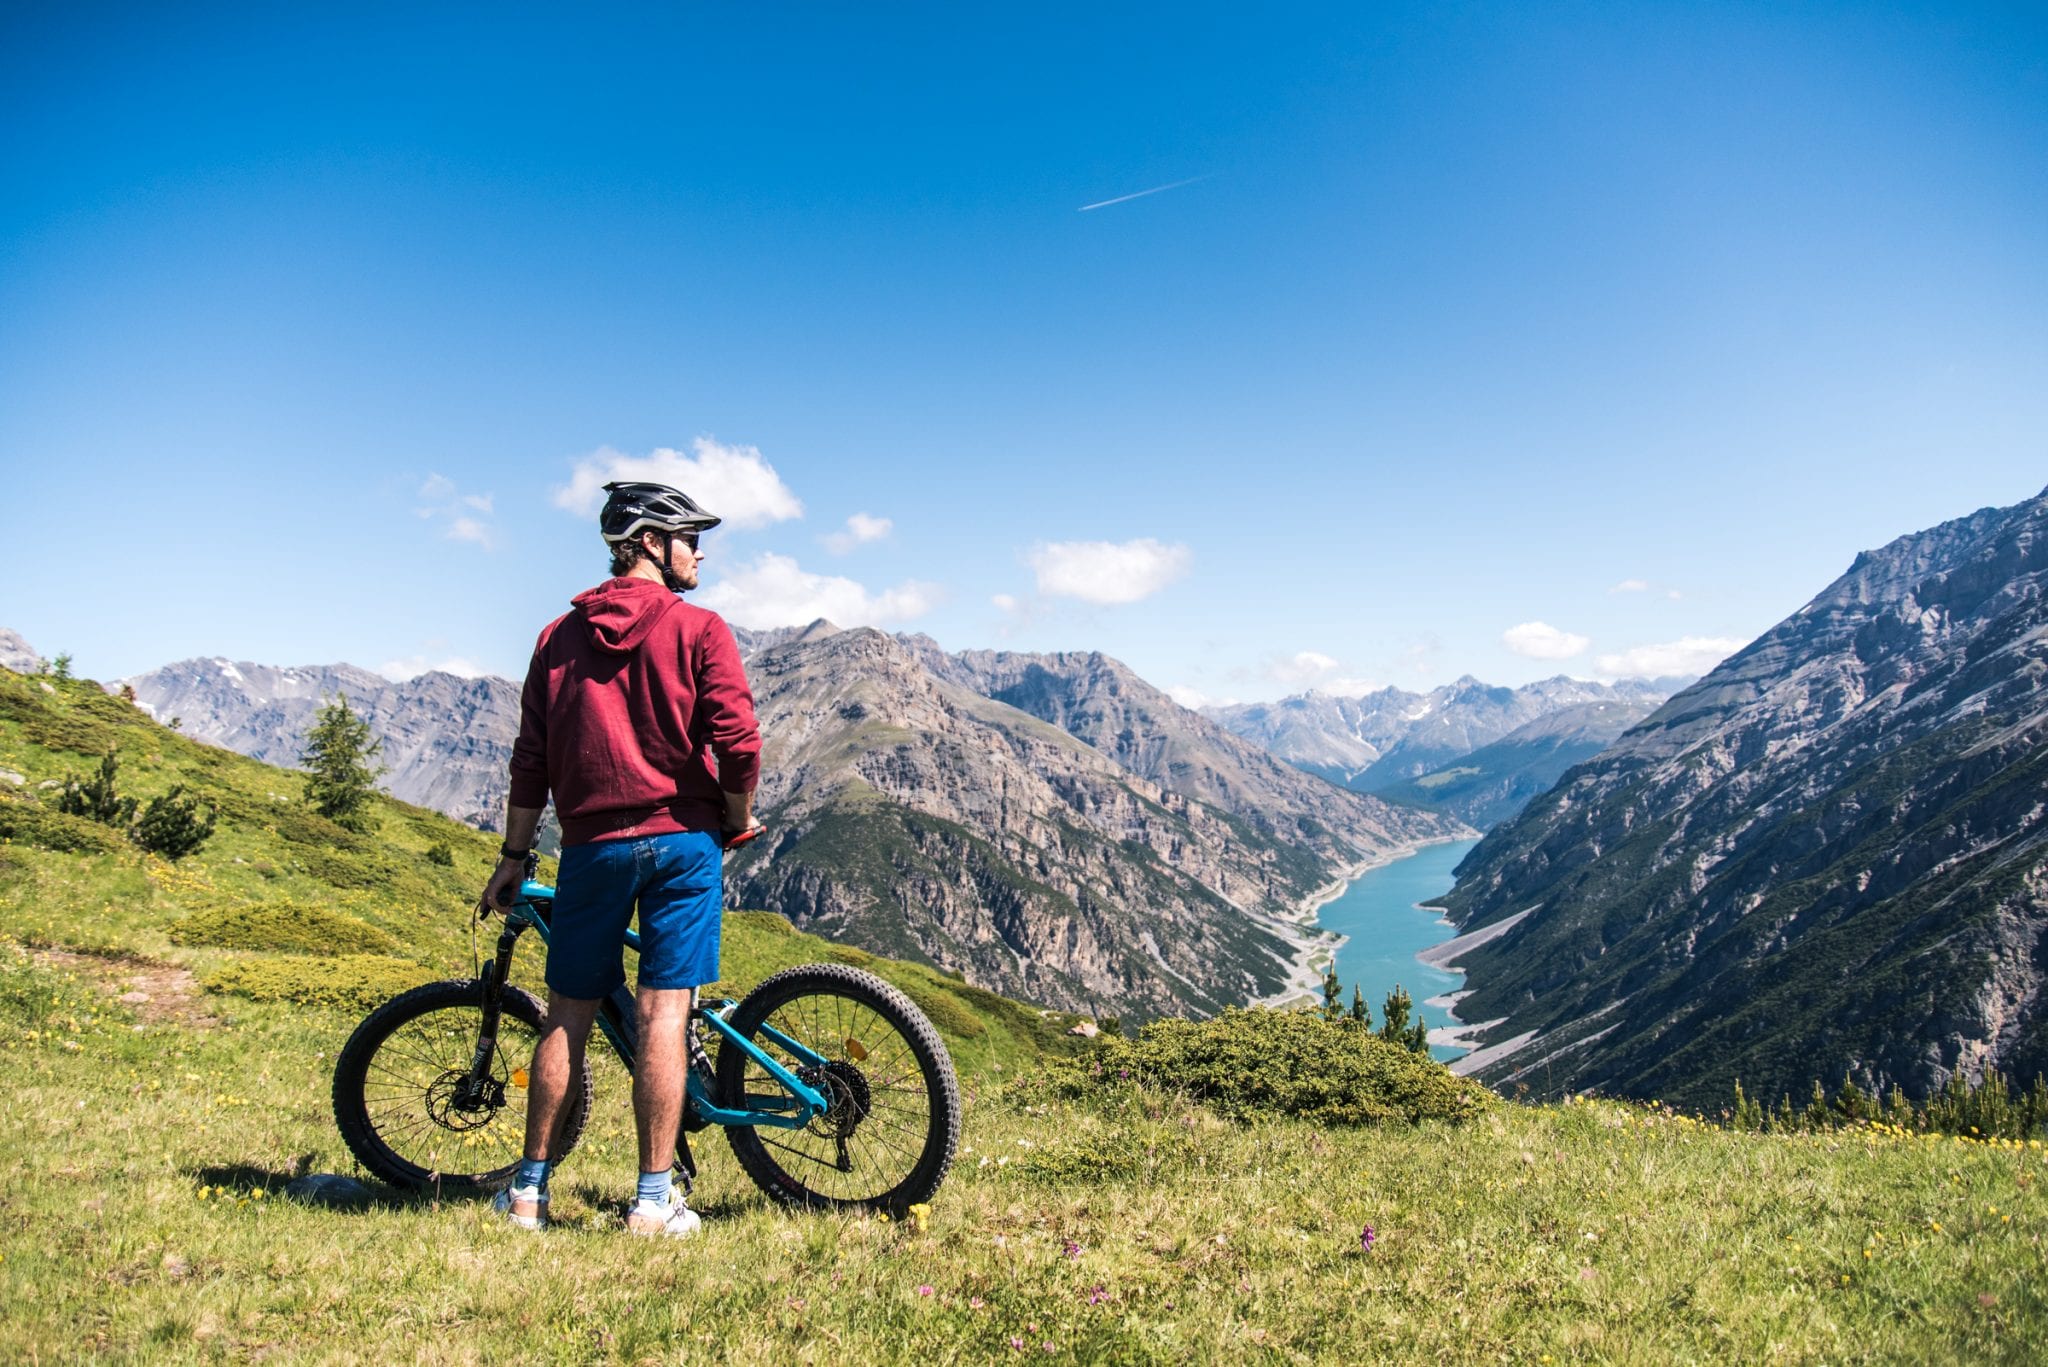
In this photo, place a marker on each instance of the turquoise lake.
(1387, 929)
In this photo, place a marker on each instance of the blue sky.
(1493, 339)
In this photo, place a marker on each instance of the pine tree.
(96, 799)
(174, 825)
(1748, 1115)
(1360, 1012)
(340, 757)
(1398, 1028)
(1333, 992)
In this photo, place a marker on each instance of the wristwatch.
(506, 851)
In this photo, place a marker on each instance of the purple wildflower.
(1366, 1239)
(1073, 1249)
(1098, 1295)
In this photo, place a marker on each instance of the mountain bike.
(832, 1088)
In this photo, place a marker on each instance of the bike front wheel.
(888, 1137)
(408, 1108)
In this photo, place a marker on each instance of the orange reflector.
(855, 1050)
(518, 1077)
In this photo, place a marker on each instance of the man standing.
(637, 716)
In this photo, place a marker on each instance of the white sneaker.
(675, 1219)
(526, 1207)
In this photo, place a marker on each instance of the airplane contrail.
(1155, 190)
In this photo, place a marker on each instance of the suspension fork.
(493, 987)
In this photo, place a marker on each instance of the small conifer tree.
(60, 667)
(174, 825)
(1333, 994)
(340, 757)
(439, 853)
(1360, 1012)
(1749, 1114)
(1397, 1027)
(95, 799)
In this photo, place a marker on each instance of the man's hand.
(498, 893)
(739, 813)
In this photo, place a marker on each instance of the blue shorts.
(674, 878)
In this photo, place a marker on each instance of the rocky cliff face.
(1383, 739)
(917, 816)
(1829, 854)
(446, 739)
(1098, 700)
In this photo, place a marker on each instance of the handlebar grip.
(738, 838)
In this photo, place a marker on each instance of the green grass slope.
(1092, 1218)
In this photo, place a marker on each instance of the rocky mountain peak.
(1827, 854)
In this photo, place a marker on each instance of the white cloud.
(1350, 688)
(1194, 699)
(444, 504)
(1631, 586)
(469, 529)
(1542, 641)
(774, 591)
(1687, 655)
(860, 529)
(413, 666)
(1300, 667)
(1107, 571)
(733, 482)
(1006, 602)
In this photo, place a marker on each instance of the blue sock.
(533, 1172)
(655, 1186)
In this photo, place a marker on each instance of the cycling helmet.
(635, 508)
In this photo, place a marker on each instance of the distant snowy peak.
(1380, 739)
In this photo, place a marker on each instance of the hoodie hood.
(622, 612)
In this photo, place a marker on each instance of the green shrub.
(439, 853)
(32, 825)
(174, 825)
(287, 927)
(354, 981)
(1253, 1062)
(95, 798)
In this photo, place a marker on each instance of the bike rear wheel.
(400, 1100)
(888, 1139)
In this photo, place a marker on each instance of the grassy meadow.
(168, 1030)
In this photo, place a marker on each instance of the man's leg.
(658, 1073)
(557, 1061)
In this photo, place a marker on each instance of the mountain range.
(1476, 750)
(1829, 856)
(1050, 825)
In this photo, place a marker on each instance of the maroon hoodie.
(635, 714)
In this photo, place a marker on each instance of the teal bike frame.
(793, 1109)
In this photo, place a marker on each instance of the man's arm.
(726, 707)
(520, 825)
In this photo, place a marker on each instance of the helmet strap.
(668, 564)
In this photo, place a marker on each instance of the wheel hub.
(847, 1098)
(456, 1101)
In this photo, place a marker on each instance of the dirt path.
(158, 993)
